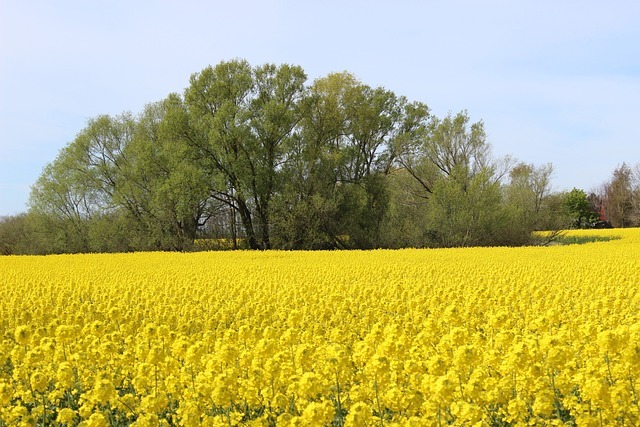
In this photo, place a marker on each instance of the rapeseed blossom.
(476, 336)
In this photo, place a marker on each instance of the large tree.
(336, 192)
(166, 192)
(65, 199)
(243, 120)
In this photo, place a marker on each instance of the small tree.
(618, 197)
(580, 211)
(529, 196)
(465, 212)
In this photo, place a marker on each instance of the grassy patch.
(568, 239)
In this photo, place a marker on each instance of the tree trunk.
(245, 217)
(263, 215)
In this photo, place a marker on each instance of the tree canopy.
(258, 157)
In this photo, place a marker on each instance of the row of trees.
(255, 157)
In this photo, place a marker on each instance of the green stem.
(460, 386)
(600, 414)
(633, 389)
(44, 409)
(338, 394)
(375, 386)
(127, 406)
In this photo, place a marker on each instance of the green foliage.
(305, 224)
(581, 240)
(13, 234)
(530, 200)
(244, 119)
(465, 211)
(406, 220)
(256, 157)
(620, 198)
(579, 209)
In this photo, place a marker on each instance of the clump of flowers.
(483, 336)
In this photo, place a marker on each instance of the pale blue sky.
(554, 81)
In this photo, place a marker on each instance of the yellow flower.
(146, 420)
(127, 404)
(317, 414)
(189, 338)
(222, 390)
(517, 410)
(65, 375)
(85, 410)
(310, 385)
(153, 404)
(285, 419)
(304, 356)
(156, 355)
(39, 381)
(280, 402)
(597, 391)
(543, 403)
(189, 414)
(360, 414)
(65, 333)
(66, 416)
(466, 413)
(437, 365)
(6, 393)
(150, 330)
(609, 341)
(97, 419)
(23, 335)
(103, 391)
(444, 387)
(465, 358)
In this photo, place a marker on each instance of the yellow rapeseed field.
(481, 336)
